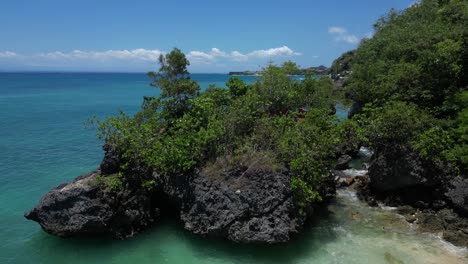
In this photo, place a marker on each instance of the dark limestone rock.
(343, 162)
(453, 227)
(339, 174)
(430, 222)
(397, 175)
(406, 210)
(347, 148)
(111, 162)
(395, 169)
(249, 203)
(84, 208)
(456, 237)
(457, 195)
(252, 206)
(438, 204)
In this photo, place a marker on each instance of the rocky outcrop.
(445, 221)
(457, 195)
(251, 206)
(111, 162)
(343, 162)
(426, 192)
(85, 207)
(397, 174)
(249, 202)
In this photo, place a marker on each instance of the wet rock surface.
(453, 228)
(425, 193)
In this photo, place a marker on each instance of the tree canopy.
(286, 120)
(410, 80)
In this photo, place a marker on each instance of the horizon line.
(78, 71)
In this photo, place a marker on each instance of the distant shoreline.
(320, 70)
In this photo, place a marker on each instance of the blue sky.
(217, 36)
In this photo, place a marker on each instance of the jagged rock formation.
(248, 204)
(83, 207)
(255, 205)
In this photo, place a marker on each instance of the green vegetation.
(111, 183)
(342, 65)
(411, 81)
(291, 68)
(287, 121)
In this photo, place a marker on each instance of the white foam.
(366, 152)
(352, 195)
(459, 251)
(386, 208)
(354, 172)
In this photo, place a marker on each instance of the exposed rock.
(338, 174)
(406, 210)
(456, 237)
(457, 195)
(252, 206)
(248, 204)
(396, 168)
(397, 176)
(453, 227)
(345, 182)
(347, 148)
(84, 207)
(343, 162)
(365, 166)
(430, 222)
(111, 162)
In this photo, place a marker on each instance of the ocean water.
(43, 142)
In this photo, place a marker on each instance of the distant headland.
(319, 70)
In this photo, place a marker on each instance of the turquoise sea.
(43, 142)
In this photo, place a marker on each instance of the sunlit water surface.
(43, 143)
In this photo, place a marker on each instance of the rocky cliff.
(248, 204)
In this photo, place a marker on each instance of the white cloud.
(7, 54)
(136, 54)
(351, 39)
(215, 53)
(237, 56)
(337, 30)
(199, 55)
(341, 34)
(283, 51)
(139, 58)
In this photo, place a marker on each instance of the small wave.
(352, 195)
(459, 251)
(387, 208)
(354, 172)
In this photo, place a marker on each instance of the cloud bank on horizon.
(139, 58)
(214, 53)
(145, 59)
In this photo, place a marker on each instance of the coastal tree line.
(408, 84)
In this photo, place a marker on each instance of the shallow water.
(43, 143)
